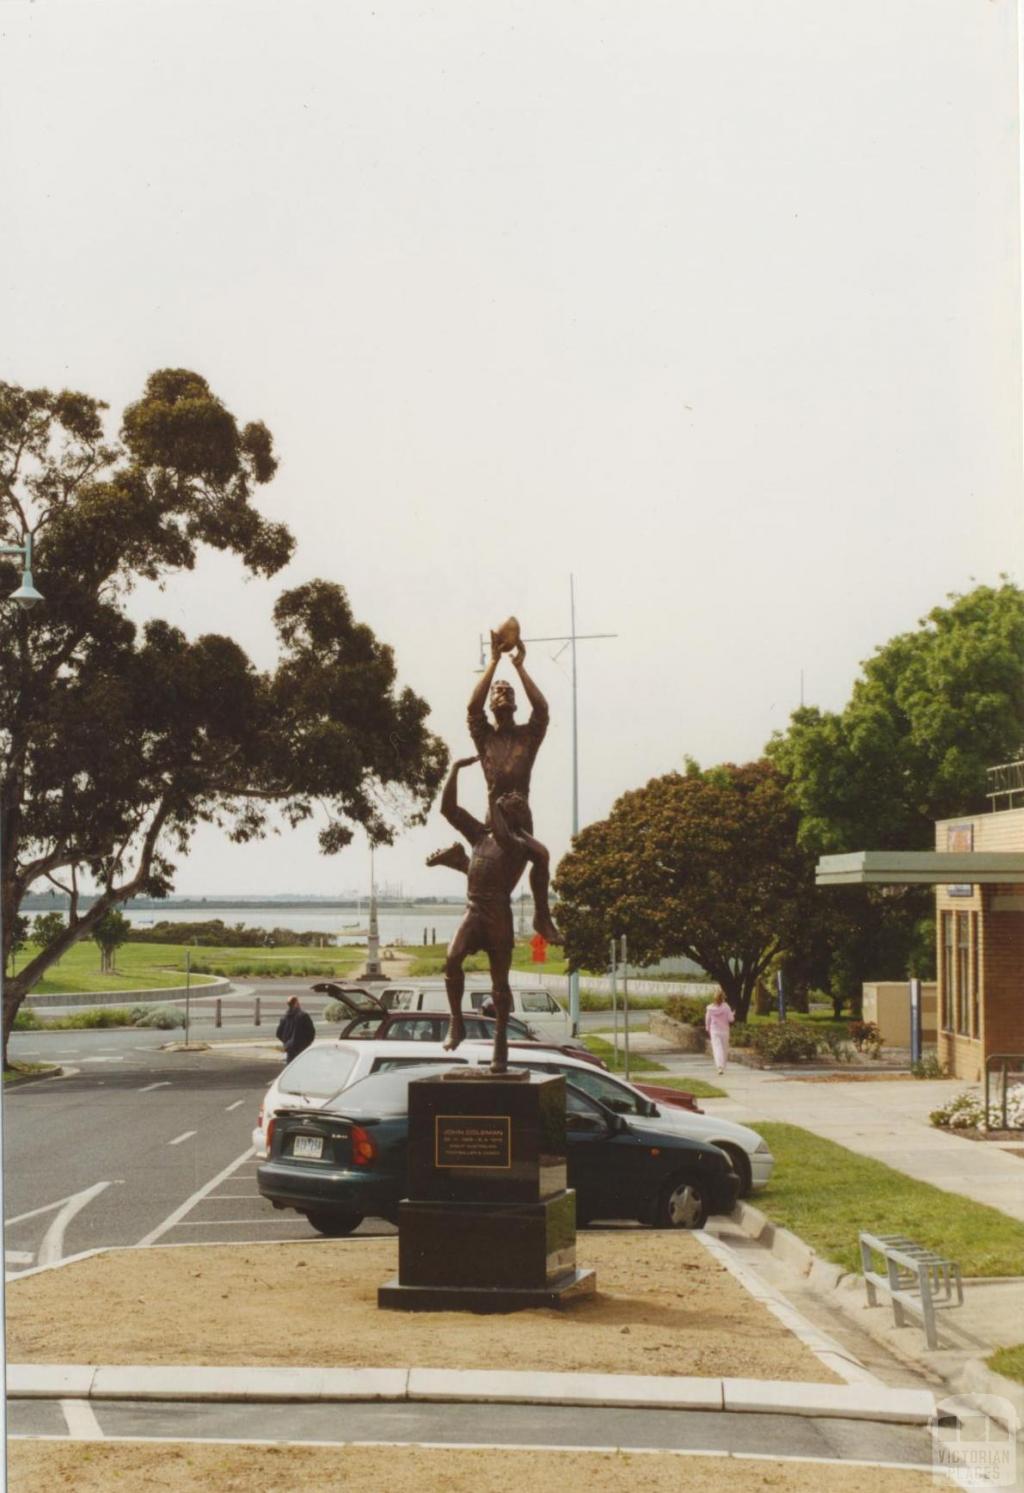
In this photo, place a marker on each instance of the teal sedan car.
(347, 1161)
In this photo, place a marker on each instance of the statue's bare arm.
(537, 701)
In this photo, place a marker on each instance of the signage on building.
(960, 839)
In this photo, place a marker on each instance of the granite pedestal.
(489, 1225)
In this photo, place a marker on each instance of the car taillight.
(270, 1135)
(364, 1147)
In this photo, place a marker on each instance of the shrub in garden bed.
(164, 1018)
(787, 1042)
(866, 1037)
(689, 1009)
(966, 1111)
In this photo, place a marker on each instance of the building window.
(963, 966)
(946, 974)
(975, 980)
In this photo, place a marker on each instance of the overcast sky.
(714, 305)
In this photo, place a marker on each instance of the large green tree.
(930, 712)
(704, 864)
(118, 742)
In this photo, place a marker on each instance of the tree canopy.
(703, 864)
(118, 741)
(930, 712)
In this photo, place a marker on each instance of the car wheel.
(740, 1163)
(335, 1225)
(682, 1205)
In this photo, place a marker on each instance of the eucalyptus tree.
(119, 740)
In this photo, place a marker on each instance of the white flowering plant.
(967, 1111)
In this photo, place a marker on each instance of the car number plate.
(308, 1145)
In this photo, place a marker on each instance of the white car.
(327, 1067)
(534, 1005)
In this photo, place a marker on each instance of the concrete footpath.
(886, 1119)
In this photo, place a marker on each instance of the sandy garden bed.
(41, 1467)
(664, 1306)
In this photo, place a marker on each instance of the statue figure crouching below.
(501, 848)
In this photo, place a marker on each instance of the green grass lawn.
(695, 1086)
(268, 963)
(25, 1070)
(145, 966)
(139, 967)
(827, 1194)
(1008, 1361)
(638, 1062)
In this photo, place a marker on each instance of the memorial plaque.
(473, 1141)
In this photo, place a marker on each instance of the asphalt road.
(593, 1428)
(137, 1144)
(141, 1146)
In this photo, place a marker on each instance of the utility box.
(887, 1004)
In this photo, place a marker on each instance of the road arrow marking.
(52, 1247)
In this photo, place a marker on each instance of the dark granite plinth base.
(519, 1247)
(485, 1140)
(572, 1288)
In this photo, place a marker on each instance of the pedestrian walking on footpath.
(295, 1029)
(718, 1018)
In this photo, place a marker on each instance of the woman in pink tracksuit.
(718, 1018)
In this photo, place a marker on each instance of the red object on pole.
(539, 945)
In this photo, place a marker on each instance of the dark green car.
(347, 1161)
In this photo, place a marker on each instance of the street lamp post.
(26, 596)
(572, 638)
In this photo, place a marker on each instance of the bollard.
(424, 938)
(433, 935)
(216, 1013)
(256, 1015)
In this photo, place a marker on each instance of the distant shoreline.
(44, 903)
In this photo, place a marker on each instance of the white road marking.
(18, 1257)
(230, 1223)
(189, 1203)
(103, 1060)
(52, 1247)
(164, 1083)
(237, 1197)
(237, 1105)
(718, 1453)
(35, 1212)
(81, 1420)
(179, 1138)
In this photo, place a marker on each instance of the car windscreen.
(601, 1086)
(538, 1000)
(383, 1093)
(319, 1072)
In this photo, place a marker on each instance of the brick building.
(980, 955)
(977, 870)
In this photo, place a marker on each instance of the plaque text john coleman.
(473, 1141)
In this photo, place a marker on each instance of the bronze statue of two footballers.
(501, 847)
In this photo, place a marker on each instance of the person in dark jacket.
(295, 1029)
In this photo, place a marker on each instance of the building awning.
(921, 868)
